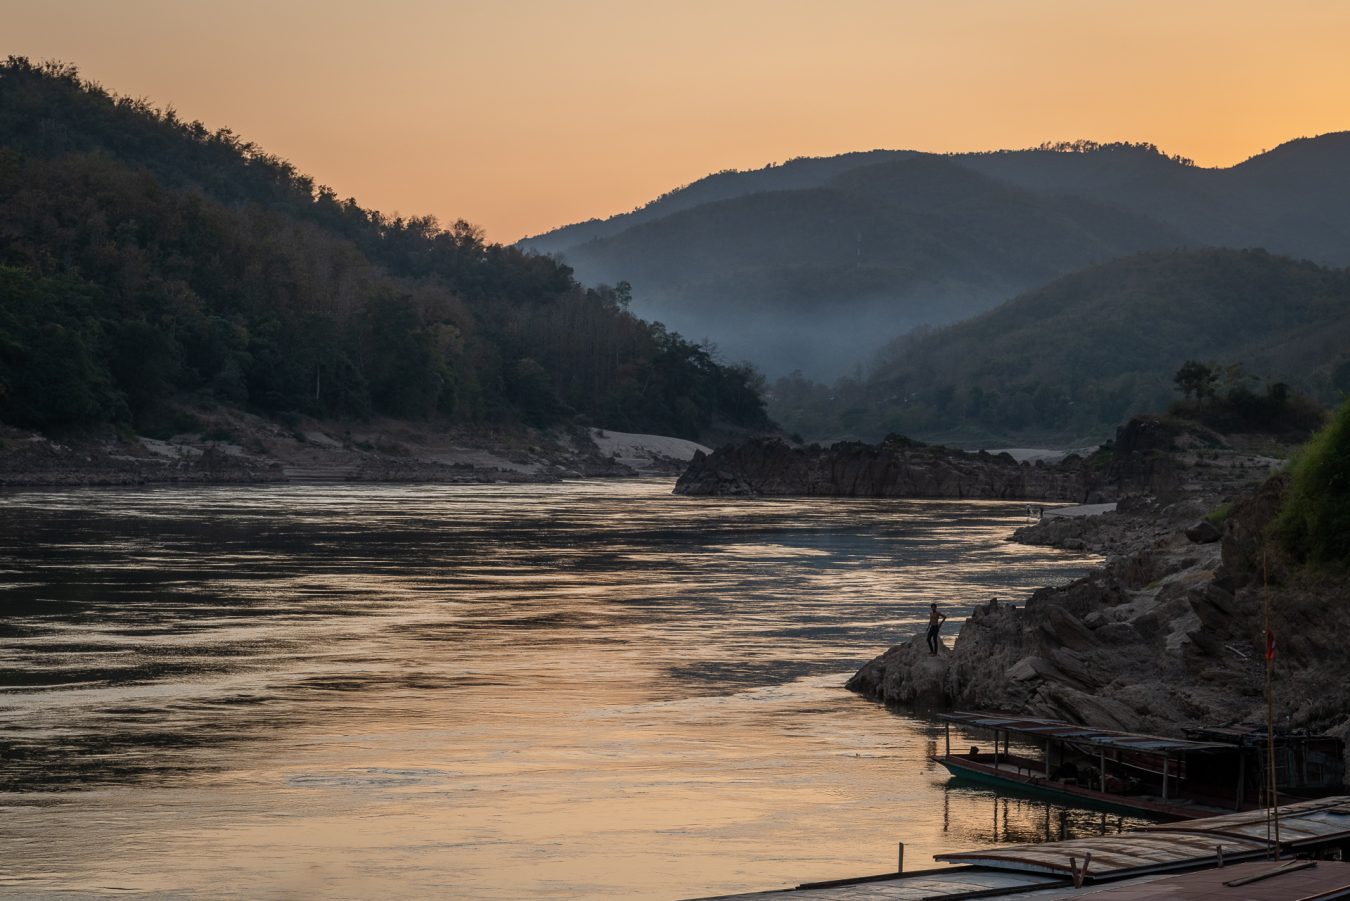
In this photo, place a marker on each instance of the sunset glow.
(524, 116)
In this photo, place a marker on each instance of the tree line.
(146, 260)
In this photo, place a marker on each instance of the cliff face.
(1168, 634)
(1161, 459)
(1115, 649)
(894, 468)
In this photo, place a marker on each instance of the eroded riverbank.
(227, 447)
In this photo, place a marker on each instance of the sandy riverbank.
(234, 447)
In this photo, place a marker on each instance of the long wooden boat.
(1213, 771)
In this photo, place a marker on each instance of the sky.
(524, 115)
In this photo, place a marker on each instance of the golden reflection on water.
(484, 692)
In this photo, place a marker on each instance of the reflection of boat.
(1213, 771)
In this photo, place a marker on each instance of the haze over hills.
(145, 261)
(814, 264)
(1065, 363)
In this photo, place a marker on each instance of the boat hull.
(985, 775)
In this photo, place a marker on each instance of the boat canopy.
(1305, 823)
(1241, 836)
(1034, 727)
(1112, 856)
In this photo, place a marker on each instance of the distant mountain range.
(816, 263)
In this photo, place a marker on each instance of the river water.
(578, 690)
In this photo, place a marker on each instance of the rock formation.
(1167, 635)
(897, 467)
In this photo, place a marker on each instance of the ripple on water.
(492, 691)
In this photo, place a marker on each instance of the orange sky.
(521, 116)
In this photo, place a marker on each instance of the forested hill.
(811, 265)
(1066, 363)
(806, 172)
(146, 260)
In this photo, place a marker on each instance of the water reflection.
(1011, 819)
(572, 690)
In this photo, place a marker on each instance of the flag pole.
(1273, 813)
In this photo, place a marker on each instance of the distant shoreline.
(240, 449)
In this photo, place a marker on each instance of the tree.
(1196, 379)
(531, 390)
(145, 260)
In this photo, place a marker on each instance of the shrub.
(1315, 520)
(1219, 514)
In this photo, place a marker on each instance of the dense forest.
(146, 261)
(815, 263)
(1068, 362)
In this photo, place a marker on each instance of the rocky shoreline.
(1165, 636)
(896, 467)
(1155, 458)
(237, 448)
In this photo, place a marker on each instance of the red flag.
(1270, 645)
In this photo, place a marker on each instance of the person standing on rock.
(935, 620)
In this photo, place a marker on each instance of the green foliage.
(1219, 515)
(1195, 379)
(144, 259)
(1226, 402)
(1315, 520)
(531, 390)
(50, 375)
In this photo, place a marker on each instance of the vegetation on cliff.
(1225, 399)
(145, 259)
(1314, 522)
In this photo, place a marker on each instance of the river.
(592, 689)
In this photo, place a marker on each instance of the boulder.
(1204, 532)
(906, 674)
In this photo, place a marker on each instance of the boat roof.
(1241, 732)
(1284, 880)
(1304, 823)
(1133, 865)
(931, 885)
(1088, 735)
(1174, 845)
(1113, 856)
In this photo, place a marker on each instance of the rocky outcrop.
(906, 674)
(1162, 459)
(1091, 652)
(896, 467)
(1167, 635)
(1167, 459)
